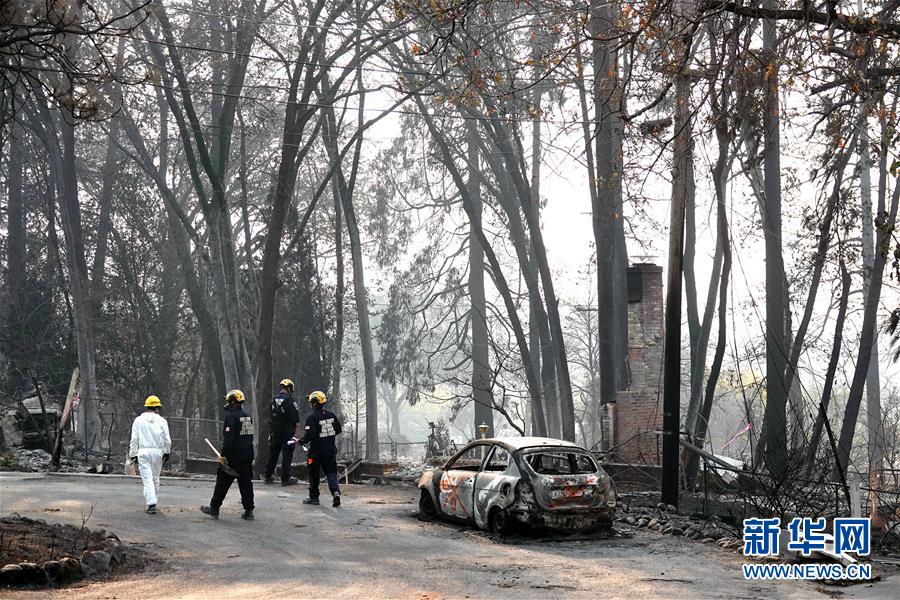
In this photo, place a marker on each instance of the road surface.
(371, 547)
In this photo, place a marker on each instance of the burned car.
(542, 483)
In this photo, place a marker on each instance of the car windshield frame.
(524, 453)
(448, 466)
(487, 459)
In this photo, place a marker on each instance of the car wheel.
(498, 521)
(604, 527)
(427, 509)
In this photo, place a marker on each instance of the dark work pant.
(328, 464)
(224, 480)
(278, 444)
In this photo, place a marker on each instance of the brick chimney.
(637, 414)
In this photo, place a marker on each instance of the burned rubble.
(36, 553)
(37, 461)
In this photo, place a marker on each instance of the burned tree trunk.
(874, 423)
(885, 225)
(828, 386)
(197, 301)
(359, 289)
(697, 420)
(70, 210)
(365, 329)
(773, 439)
(481, 369)
(545, 412)
(606, 205)
(337, 359)
(110, 164)
(503, 140)
(15, 244)
(531, 375)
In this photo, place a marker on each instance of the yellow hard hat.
(317, 397)
(287, 383)
(152, 402)
(236, 395)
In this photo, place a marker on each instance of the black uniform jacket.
(283, 413)
(322, 426)
(237, 436)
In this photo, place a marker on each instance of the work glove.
(166, 458)
(223, 460)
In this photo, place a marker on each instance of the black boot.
(151, 509)
(314, 501)
(336, 501)
(290, 481)
(268, 479)
(247, 515)
(208, 510)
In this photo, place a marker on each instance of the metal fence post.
(837, 499)
(705, 488)
(187, 440)
(855, 498)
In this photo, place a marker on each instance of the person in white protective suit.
(150, 447)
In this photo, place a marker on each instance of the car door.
(457, 486)
(495, 484)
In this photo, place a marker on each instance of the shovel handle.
(224, 466)
(213, 448)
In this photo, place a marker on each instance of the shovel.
(228, 470)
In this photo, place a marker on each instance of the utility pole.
(672, 352)
(356, 402)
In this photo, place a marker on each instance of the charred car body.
(541, 483)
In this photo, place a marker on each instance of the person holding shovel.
(236, 460)
(149, 448)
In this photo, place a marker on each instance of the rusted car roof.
(517, 443)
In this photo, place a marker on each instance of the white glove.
(292, 441)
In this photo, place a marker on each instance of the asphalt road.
(371, 547)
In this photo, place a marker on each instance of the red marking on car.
(450, 497)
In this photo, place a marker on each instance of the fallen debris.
(409, 472)
(36, 461)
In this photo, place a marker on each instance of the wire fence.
(354, 449)
(735, 493)
(188, 435)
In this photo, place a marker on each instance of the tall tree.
(605, 164)
(885, 222)
(773, 439)
(207, 152)
(359, 287)
(15, 241)
(481, 369)
(874, 424)
(720, 102)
